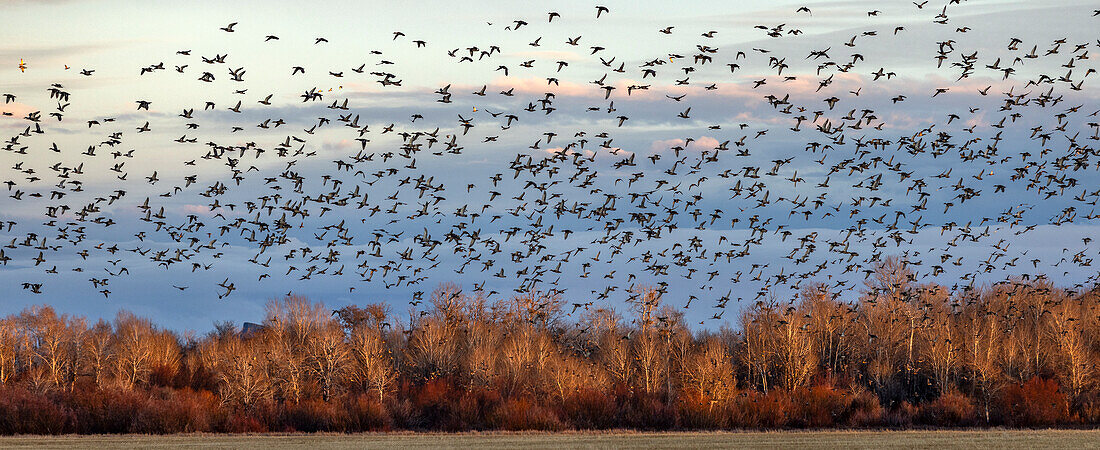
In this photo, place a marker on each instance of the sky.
(719, 230)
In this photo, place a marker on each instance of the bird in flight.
(768, 166)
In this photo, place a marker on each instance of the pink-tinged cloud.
(548, 56)
(750, 118)
(666, 144)
(343, 144)
(699, 144)
(570, 152)
(202, 210)
(17, 110)
(977, 120)
(905, 121)
(706, 143)
(539, 86)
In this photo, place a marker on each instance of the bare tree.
(373, 362)
(981, 342)
(889, 323)
(433, 348)
(942, 349)
(241, 371)
(708, 371)
(327, 357)
(794, 349)
(291, 325)
(133, 349)
(1072, 328)
(9, 349)
(524, 356)
(50, 342)
(830, 325)
(650, 348)
(611, 346)
(483, 340)
(568, 374)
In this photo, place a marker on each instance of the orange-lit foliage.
(951, 408)
(1021, 353)
(1036, 402)
(526, 414)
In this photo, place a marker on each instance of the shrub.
(950, 409)
(699, 411)
(365, 413)
(162, 376)
(242, 422)
(1037, 402)
(475, 409)
(311, 416)
(589, 409)
(900, 416)
(820, 406)
(1088, 408)
(25, 412)
(433, 406)
(645, 411)
(758, 410)
(524, 414)
(864, 410)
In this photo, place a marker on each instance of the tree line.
(1017, 353)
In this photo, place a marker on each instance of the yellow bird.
(22, 65)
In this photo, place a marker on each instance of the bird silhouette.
(795, 161)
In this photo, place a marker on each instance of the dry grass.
(1076, 439)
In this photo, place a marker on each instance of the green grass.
(1075, 439)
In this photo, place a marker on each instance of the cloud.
(32, 54)
(700, 143)
(706, 142)
(202, 210)
(341, 145)
(18, 113)
(547, 55)
(539, 86)
(666, 144)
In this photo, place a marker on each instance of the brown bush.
(434, 406)
(312, 415)
(589, 409)
(365, 413)
(477, 407)
(525, 414)
(1037, 402)
(1088, 408)
(900, 416)
(111, 410)
(820, 406)
(160, 416)
(243, 422)
(864, 410)
(163, 376)
(699, 411)
(950, 409)
(758, 410)
(26, 412)
(647, 411)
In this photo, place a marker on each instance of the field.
(819, 439)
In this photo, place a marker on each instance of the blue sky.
(115, 40)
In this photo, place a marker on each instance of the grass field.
(781, 439)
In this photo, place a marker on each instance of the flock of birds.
(475, 185)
